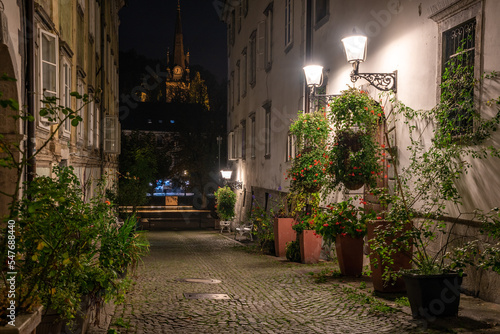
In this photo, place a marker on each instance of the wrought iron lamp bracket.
(381, 81)
(234, 184)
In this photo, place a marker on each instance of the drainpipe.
(308, 51)
(30, 86)
(103, 85)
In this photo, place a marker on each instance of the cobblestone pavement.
(267, 295)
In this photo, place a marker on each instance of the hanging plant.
(355, 153)
(226, 200)
(309, 167)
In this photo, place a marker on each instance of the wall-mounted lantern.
(355, 50)
(226, 176)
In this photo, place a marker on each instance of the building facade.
(53, 48)
(270, 41)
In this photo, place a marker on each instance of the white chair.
(244, 229)
(225, 224)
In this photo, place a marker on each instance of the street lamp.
(355, 50)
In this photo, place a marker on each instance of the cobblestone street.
(267, 295)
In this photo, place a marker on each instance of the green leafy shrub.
(225, 202)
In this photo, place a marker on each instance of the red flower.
(379, 217)
(325, 224)
(107, 202)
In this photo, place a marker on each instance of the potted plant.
(309, 240)
(225, 201)
(354, 155)
(420, 208)
(345, 225)
(263, 222)
(283, 222)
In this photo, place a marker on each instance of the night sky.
(148, 27)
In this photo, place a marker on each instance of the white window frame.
(43, 121)
(231, 155)
(65, 90)
(111, 135)
(291, 147)
(90, 121)
(80, 109)
(288, 25)
(97, 127)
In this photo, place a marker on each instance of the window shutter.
(111, 135)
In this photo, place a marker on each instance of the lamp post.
(355, 50)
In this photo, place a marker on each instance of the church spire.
(179, 57)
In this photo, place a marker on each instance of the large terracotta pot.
(401, 261)
(283, 234)
(349, 254)
(310, 246)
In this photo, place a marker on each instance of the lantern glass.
(313, 74)
(226, 174)
(355, 48)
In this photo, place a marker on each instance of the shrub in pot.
(344, 224)
(225, 202)
(419, 209)
(309, 241)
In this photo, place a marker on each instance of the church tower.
(177, 83)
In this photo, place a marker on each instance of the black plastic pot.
(433, 296)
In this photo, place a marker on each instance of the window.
(92, 5)
(243, 140)
(268, 37)
(231, 93)
(238, 81)
(267, 152)
(97, 127)
(321, 12)
(244, 6)
(458, 63)
(231, 154)
(238, 18)
(288, 24)
(80, 109)
(252, 135)
(65, 98)
(90, 120)
(111, 135)
(49, 65)
(291, 147)
(253, 59)
(232, 28)
(244, 72)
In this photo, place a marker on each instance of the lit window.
(111, 135)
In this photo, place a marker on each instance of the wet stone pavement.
(266, 294)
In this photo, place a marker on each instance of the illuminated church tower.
(177, 83)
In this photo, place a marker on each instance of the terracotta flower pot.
(310, 246)
(349, 254)
(283, 234)
(401, 261)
